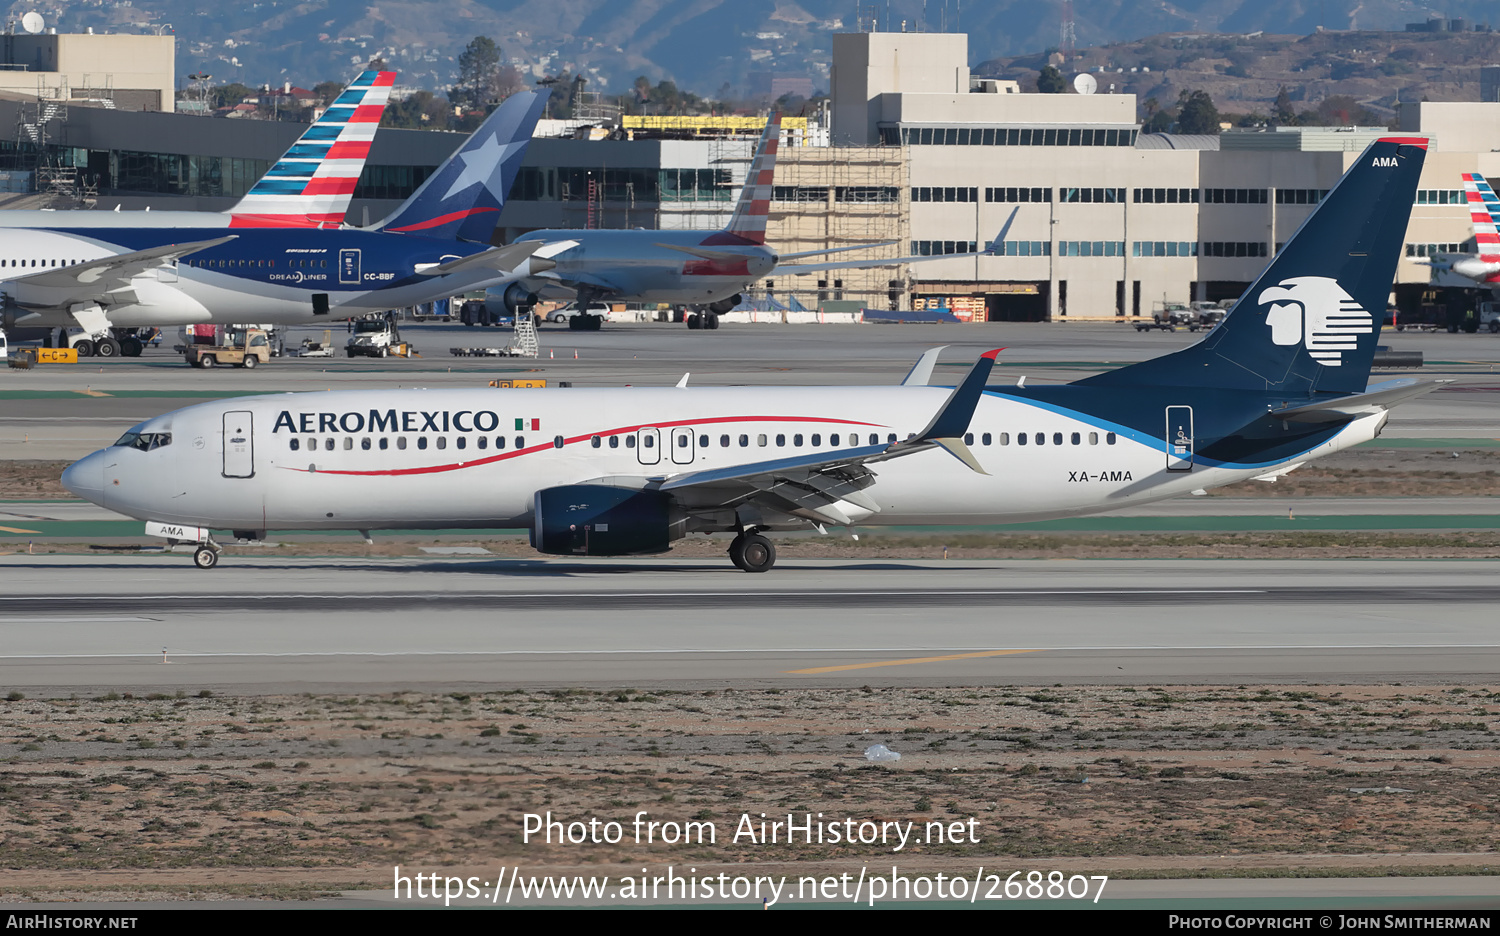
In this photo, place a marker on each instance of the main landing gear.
(752, 552)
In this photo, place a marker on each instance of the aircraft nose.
(85, 478)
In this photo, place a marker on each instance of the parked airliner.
(435, 245)
(606, 472)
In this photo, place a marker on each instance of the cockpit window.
(145, 441)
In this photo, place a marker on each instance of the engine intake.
(597, 520)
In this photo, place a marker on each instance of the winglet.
(953, 419)
(921, 372)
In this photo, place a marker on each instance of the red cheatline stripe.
(1405, 141)
(331, 185)
(442, 219)
(367, 113)
(385, 80)
(491, 459)
(344, 149)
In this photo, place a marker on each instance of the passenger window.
(500, 442)
(968, 438)
(817, 439)
(401, 443)
(890, 439)
(744, 441)
(1005, 438)
(630, 441)
(422, 442)
(1109, 439)
(1057, 438)
(723, 441)
(1021, 438)
(384, 443)
(1041, 438)
(614, 441)
(365, 443)
(703, 441)
(1077, 439)
(985, 439)
(594, 441)
(780, 440)
(461, 442)
(760, 440)
(442, 442)
(557, 442)
(294, 444)
(484, 442)
(649, 441)
(1093, 438)
(797, 440)
(874, 439)
(833, 439)
(520, 442)
(328, 444)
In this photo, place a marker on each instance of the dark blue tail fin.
(462, 200)
(1310, 323)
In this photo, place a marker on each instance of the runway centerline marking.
(935, 659)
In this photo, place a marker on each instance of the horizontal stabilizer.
(704, 252)
(818, 253)
(1381, 395)
(504, 259)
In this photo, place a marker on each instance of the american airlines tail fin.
(1483, 208)
(463, 198)
(748, 225)
(312, 184)
(1310, 322)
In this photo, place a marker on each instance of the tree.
(478, 72)
(1051, 81)
(1281, 110)
(1197, 114)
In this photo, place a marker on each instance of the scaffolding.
(829, 197)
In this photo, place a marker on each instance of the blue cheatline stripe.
(351, 96)
(322, 131)
(298, 170)
(1148, 440)
(336, 113)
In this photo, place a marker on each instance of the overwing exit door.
(682, 446)
(1179, 438)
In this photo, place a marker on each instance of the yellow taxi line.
(932, 659)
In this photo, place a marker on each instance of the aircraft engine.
(725, 305)
(518, 297)
(597, 520)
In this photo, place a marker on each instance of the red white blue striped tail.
(1483, 207)
(312, 184)
(749, 221)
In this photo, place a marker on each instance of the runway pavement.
(280, 624)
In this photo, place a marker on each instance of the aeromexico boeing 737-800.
(1283, 379)
(435, 245)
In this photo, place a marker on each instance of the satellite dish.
(33, 23)
(1085, 84)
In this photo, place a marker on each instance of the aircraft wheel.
(710, 321)
(85, 348)
(205, 557)
(756, 554)
(695, 321)
(132, 347)
(107, 347)
(250, 361)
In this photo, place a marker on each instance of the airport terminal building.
(913, 152)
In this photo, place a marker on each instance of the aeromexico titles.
(434, 245)
(599, 472)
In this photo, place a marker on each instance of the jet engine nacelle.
(517, 296)
(725, 305)
(597, 520)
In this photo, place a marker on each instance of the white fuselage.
(456, 458)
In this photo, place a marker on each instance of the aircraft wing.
(816, 483)
(93, 279)
(1378, 396)
(504, 259)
